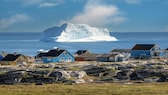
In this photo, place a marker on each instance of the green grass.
(86, 89)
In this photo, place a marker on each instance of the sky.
(115, 15)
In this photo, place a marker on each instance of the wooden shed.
(111, 58)
(87, 57)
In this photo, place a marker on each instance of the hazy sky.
(115, 15)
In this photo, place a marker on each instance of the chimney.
(15, 53)
(56, 48)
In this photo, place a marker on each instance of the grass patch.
(86, 89)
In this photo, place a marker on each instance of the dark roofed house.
(13, 59)
(79, 52)
(145, 51)
(111, 58)
(87, 57)
(56, 55)
(100, 57)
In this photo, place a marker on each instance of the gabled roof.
(143, 46)
(51, 53)
(92, 55)
(107, 55)
(11, 57)
(121, 50)
(79, 52)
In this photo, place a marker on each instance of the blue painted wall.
(64, 57)
(138, 53)
(1, 57)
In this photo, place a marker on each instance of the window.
(66, 53)
(62, 59)
(69, 59)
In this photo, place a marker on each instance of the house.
(100, 57)
(166, 53)
(2, 55)
(87, 57)
(79, 52)
(125, 52)
(55, 55)
(146, 51)
(14, 59)
(111, 58)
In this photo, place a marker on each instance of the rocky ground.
(153, 70)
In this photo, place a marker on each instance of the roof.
(51, 53)
(92, 55)
(121, 50)
(79, 52)
(107, 55)
(11, 57)
(96, 55)
(143, 46)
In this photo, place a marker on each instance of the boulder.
(95, 70)
(60, 75)
(145, 73)
(135, 76)
(78, 74)
(123, 75)
(11, 77)
(79, 81)
(163, 78)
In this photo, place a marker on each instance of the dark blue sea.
(29, 44)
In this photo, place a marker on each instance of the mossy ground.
(86, 89)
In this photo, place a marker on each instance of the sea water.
(29, 44)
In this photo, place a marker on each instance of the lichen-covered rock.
(163, 78)
(60, 75)
(78, 74)
(79, 81)
(11, 77)
(123, 75)
(95, 70)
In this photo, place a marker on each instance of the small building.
(111, 58)
(146, 51)
(79, 52)
(166, 53)
(55, 55)
(101, 57)
(87, 57)
(14, 59)
(125, 52)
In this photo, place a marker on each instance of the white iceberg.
(76, 33)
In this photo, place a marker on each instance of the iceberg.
(76, 33)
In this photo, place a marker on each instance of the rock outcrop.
(90, 72)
